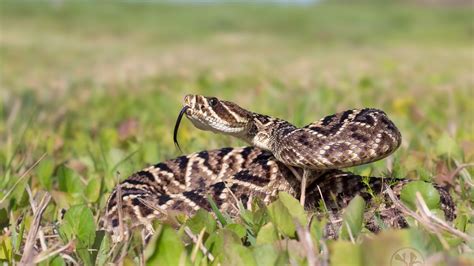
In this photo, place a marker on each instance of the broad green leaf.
(470, 231)
(200, 220)
(428, 192)
(238, 229)
(17, 235)
(353, 218)
(69, 181)
(220, 240)
(284, 212)
(92, 191)
(267, 234)
(5, 248)
(168, 249)
(265, 254)
(317, 228)
(79, 224)
(57, 261)
(45, 171)
(100, 237)
(104, 249)
(4, 221)
(19, 196)
(294, 207)
(461, 222)
(283, 258)
(345, 253)
(237, 254)
(296, 251)
(255, 219)
(281, 218)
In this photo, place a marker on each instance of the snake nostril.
(188, 100)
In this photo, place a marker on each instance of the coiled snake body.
(280, 153)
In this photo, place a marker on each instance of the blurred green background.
(91, 90)
(96, 86)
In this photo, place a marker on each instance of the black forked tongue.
(176, 127)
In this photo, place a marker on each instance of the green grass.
(73, 74)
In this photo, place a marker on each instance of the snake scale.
(279, 156)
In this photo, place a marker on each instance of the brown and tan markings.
(345, 139)
(229, 175)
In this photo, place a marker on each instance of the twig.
(196, 240)
(21, 178)
(331, 222)
(295, 173)
(233, 196)
(152, 206)
(305, 237)
(325, 253)
(31, 199)
(430, 221)
(42, 240)
(306, 173)
(123, 252)
(459, 168)
(426, 211)
(141, 256)
(349, 231)
(197, 244)
(53, 253)
(303, 179)
(28, 251)
(69, 258)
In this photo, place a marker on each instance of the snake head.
(218, 116)
(224, 117)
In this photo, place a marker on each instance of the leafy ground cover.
(90, 91)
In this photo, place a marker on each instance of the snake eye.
(212, 101)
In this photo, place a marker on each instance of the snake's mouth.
(194, 117)
(199, 120)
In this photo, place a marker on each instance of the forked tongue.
(176, 127)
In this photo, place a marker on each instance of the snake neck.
(267, 132)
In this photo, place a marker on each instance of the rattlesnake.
(280, 153)
(341, 140)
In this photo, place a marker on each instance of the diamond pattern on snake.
(282, 157)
